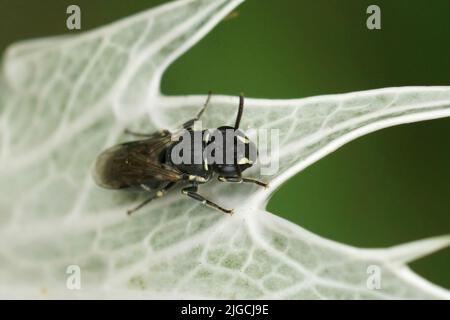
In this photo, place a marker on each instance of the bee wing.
(134, 163)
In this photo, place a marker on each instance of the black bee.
(149, 164)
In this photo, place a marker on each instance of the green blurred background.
(386, 188)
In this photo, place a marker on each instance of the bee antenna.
(240, 110)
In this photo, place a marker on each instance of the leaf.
(64, 99)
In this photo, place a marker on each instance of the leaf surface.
(64, 99)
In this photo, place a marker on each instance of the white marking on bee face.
(205, 165)
(245, 161)
(243, 139)
(206, 138)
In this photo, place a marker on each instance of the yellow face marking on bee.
(245, 161)
(243, 139)
(159, 194)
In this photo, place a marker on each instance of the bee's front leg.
(191, 191)
(240, 179)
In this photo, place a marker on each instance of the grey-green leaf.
(64, 99)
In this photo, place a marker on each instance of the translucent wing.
(135, 163)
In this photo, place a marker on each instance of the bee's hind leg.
(157, 194)
(190, 123)
(129, 212)
(159, 133)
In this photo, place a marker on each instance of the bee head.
(233, 151)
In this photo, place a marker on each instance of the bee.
(149, 165)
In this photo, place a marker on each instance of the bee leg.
(191, 191)
(259, 183)
(129, 212)
(157, 194)
(230, 179)
(147, 135)
(190, 123)
(241, 179)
